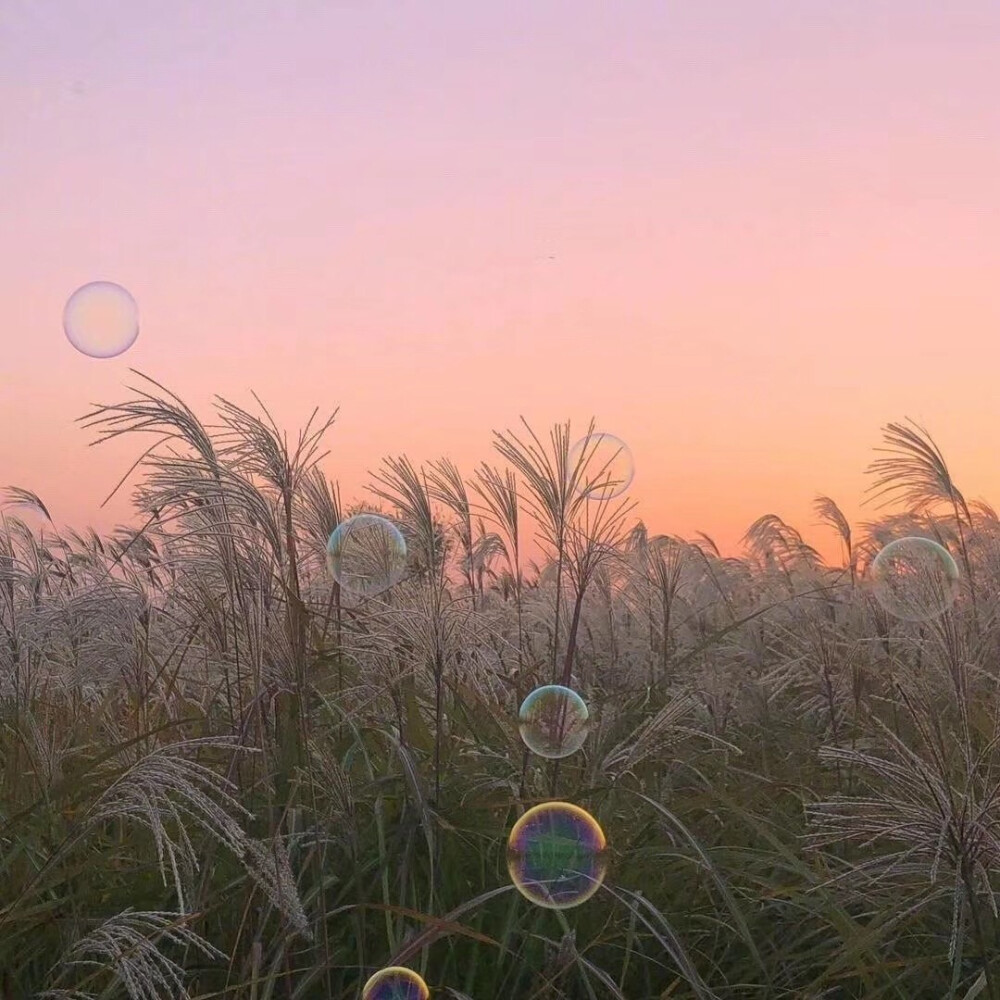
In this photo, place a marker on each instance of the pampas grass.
(222, 776)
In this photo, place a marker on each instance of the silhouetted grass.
(222, 777)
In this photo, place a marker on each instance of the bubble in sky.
(553, 721)
(557, 855)
(915, 579)
(608, 468)
(101, 319)
(395, 983)
(366, 554)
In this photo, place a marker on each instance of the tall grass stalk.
(222, 775)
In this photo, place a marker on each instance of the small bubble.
(915, 578)
(557, 855)
(553, 721)
(366, 554)
(395, 983)
(607, 468)
(101, 319)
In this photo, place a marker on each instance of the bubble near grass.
(557, 855)
(395, 983)
(915, 579)
(608, 468)
(553, 721)
(101, 319)
(366, 554)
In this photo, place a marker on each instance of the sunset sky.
(743, 236)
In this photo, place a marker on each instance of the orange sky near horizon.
(742, 236)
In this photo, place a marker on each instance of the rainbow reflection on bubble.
(915, 579)
(366, 554)
(395, 983)
(553, 721)
(608, 468)
(557, 855)
(101, 319)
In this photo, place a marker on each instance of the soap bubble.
(608, 468)
(101, 319)
(915, 579)
(553, 721)
(395, 983)
(366, 554)
(557, 855)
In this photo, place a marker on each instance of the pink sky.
(742, 235)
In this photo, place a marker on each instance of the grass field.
(222, 777)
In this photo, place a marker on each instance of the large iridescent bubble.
(553, 721)
(395, 983)
(366, 554)
(915, 579)
(608, 467)
(557, 855)
(101, 319)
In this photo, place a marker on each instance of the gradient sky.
(742, 235)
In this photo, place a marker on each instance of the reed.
(222, 776)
